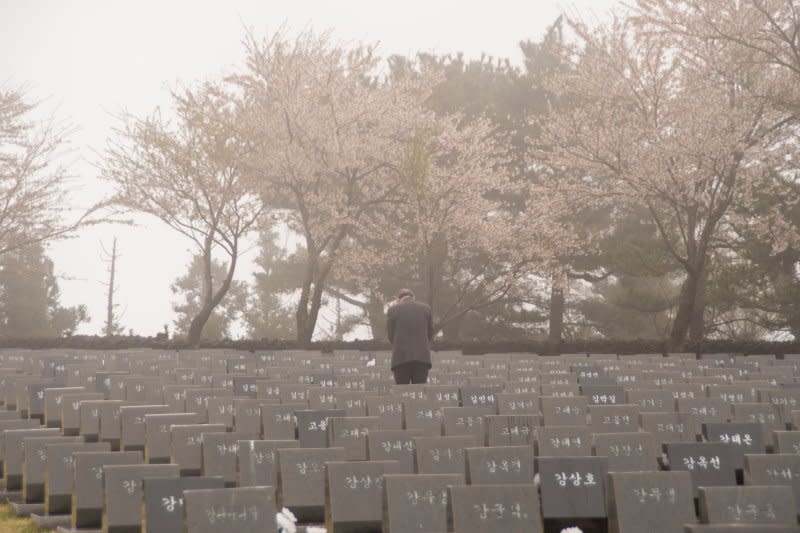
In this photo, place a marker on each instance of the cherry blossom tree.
(189, 174)
(35, 203)
(656, 123)
(329, 135)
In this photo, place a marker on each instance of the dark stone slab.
(245, 387)
(33, 465)
(185, 447)
(247, 416)
(354, 495)
(563, 441)
(219, 455)
(425, 415)
(87, 489)
(52, 403)
(499, 465)
(278, 422)
(162, 508)
(773, 469)
(466, 421)
(393, 445)
(656, 502)
(603, 394)
(351, 434)
(626, 452)
(243, 510)
(14, 454)
(479, 396)
(71, 413)
(786, 441)
(158, 436)
(312, 426)
(389, 409)
(416, 502)
(257, 461)
(301, 480)
(60, 473)
(651, 400)
(759, 505)
(510, 430)
(620, 418)
(709, 463)
(743, 437)
(122, 494)
(667, 427)
(494, 508)
(132, 431)
(17, 423)
(564, 411)
(573, 487)
(441, 455)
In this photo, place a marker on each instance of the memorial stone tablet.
(564, 411)
(736, 505)
(354, 495)
(620, 418)
(185, 448)
(493, 508)
(441, 455)
(87, 488)
(510, 430)
(416, 502)
(247, 416)
(219, 455)
(603, 394)
(393, 445)
(17, 423)
(389, 409)
(786, 441)
(656, 502)
(480, 396)
(667, 427)
(13, 453)
(256, 461)
(301, 480)
(279, 422)
(351, 434)
(626, 452)
(157, 434)
(53, 398)
(573, 487)
(466, 421)
(132, 435)
(773, 469)
(354, 403)
(652, 400)
(743, 437)
(33, 465)
(163, 501)
(122, 494)
(499, 465)
(243, 510)
(709, 463)
(312, 426)
(740, 528)
(221, 410)
(60, 471)
(245, 387)
(425, 415)
(563, 441)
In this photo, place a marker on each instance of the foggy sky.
(87, 60)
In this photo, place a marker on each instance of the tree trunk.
(690, 308)
(211, 299)
(112, 273)
(556, 323)
(377, 317)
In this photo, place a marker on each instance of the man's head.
(404, 295)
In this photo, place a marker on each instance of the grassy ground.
(11, 524)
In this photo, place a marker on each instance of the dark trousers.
(412, 372)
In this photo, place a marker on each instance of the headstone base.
(23, 510)
(50, 521)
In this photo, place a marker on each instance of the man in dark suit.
(410, 325)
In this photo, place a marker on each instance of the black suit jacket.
(410, 326)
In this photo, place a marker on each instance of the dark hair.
(405, 292)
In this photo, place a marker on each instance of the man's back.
(410, 327)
